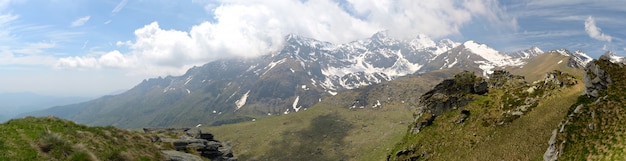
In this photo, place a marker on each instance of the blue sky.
(91, 48)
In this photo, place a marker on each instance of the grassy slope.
(539, 65)
(607, 141)
(49, 138)
(331, 131)
(524, 139)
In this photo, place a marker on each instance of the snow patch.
(332, 93)
(188, 91)
(272, 65)
(295, 104)
(242, 101)
(560, 61)
(377, 104)
(286, 112)
(188, 79)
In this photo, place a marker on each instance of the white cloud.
(113, 59)
(80, 21)
(249, 28)
(595, 32)
(119, 6)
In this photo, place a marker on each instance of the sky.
(93, 48)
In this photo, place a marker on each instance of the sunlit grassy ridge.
(490, 133)
(49, 138)
(597, 130)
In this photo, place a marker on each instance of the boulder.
(173, 155)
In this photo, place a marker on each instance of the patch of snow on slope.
(272, 65)
(453, 63)
(560, 61)
(286, 112)
(242, 101)
(295, 104)
(401, 67)
(615, 58)
(485, 51)
(332, 93)
(188, 79)
(493, 57)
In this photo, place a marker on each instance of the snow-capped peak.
(536, 49)
(614, 58)
(492, 58)
(563, 52)
(577, 59)
(528, 53)
(485, 51)
(582, 55)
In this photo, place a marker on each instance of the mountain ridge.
(296, 77)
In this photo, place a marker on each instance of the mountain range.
(304, 72)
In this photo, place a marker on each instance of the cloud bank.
(249, 28)
(595, 32)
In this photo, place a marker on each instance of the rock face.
(446, 96)
(595, 78)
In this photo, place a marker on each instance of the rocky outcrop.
(595, 78)
(446, 96)
(197, 141)
(502, 78)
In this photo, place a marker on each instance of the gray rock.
(173, 155)
(578, 108)
(551, 153)
(595, 79)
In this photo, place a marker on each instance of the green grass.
(480, 137)
(49, 138)
(330, 130)
(607, 141)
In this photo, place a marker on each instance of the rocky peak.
(527, 53)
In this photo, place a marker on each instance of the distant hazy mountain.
(302, 73)
(17, 103)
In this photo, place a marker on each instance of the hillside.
(359, 124)
(593, 128)
(50, 138)
(511, 119)
(561, 60)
